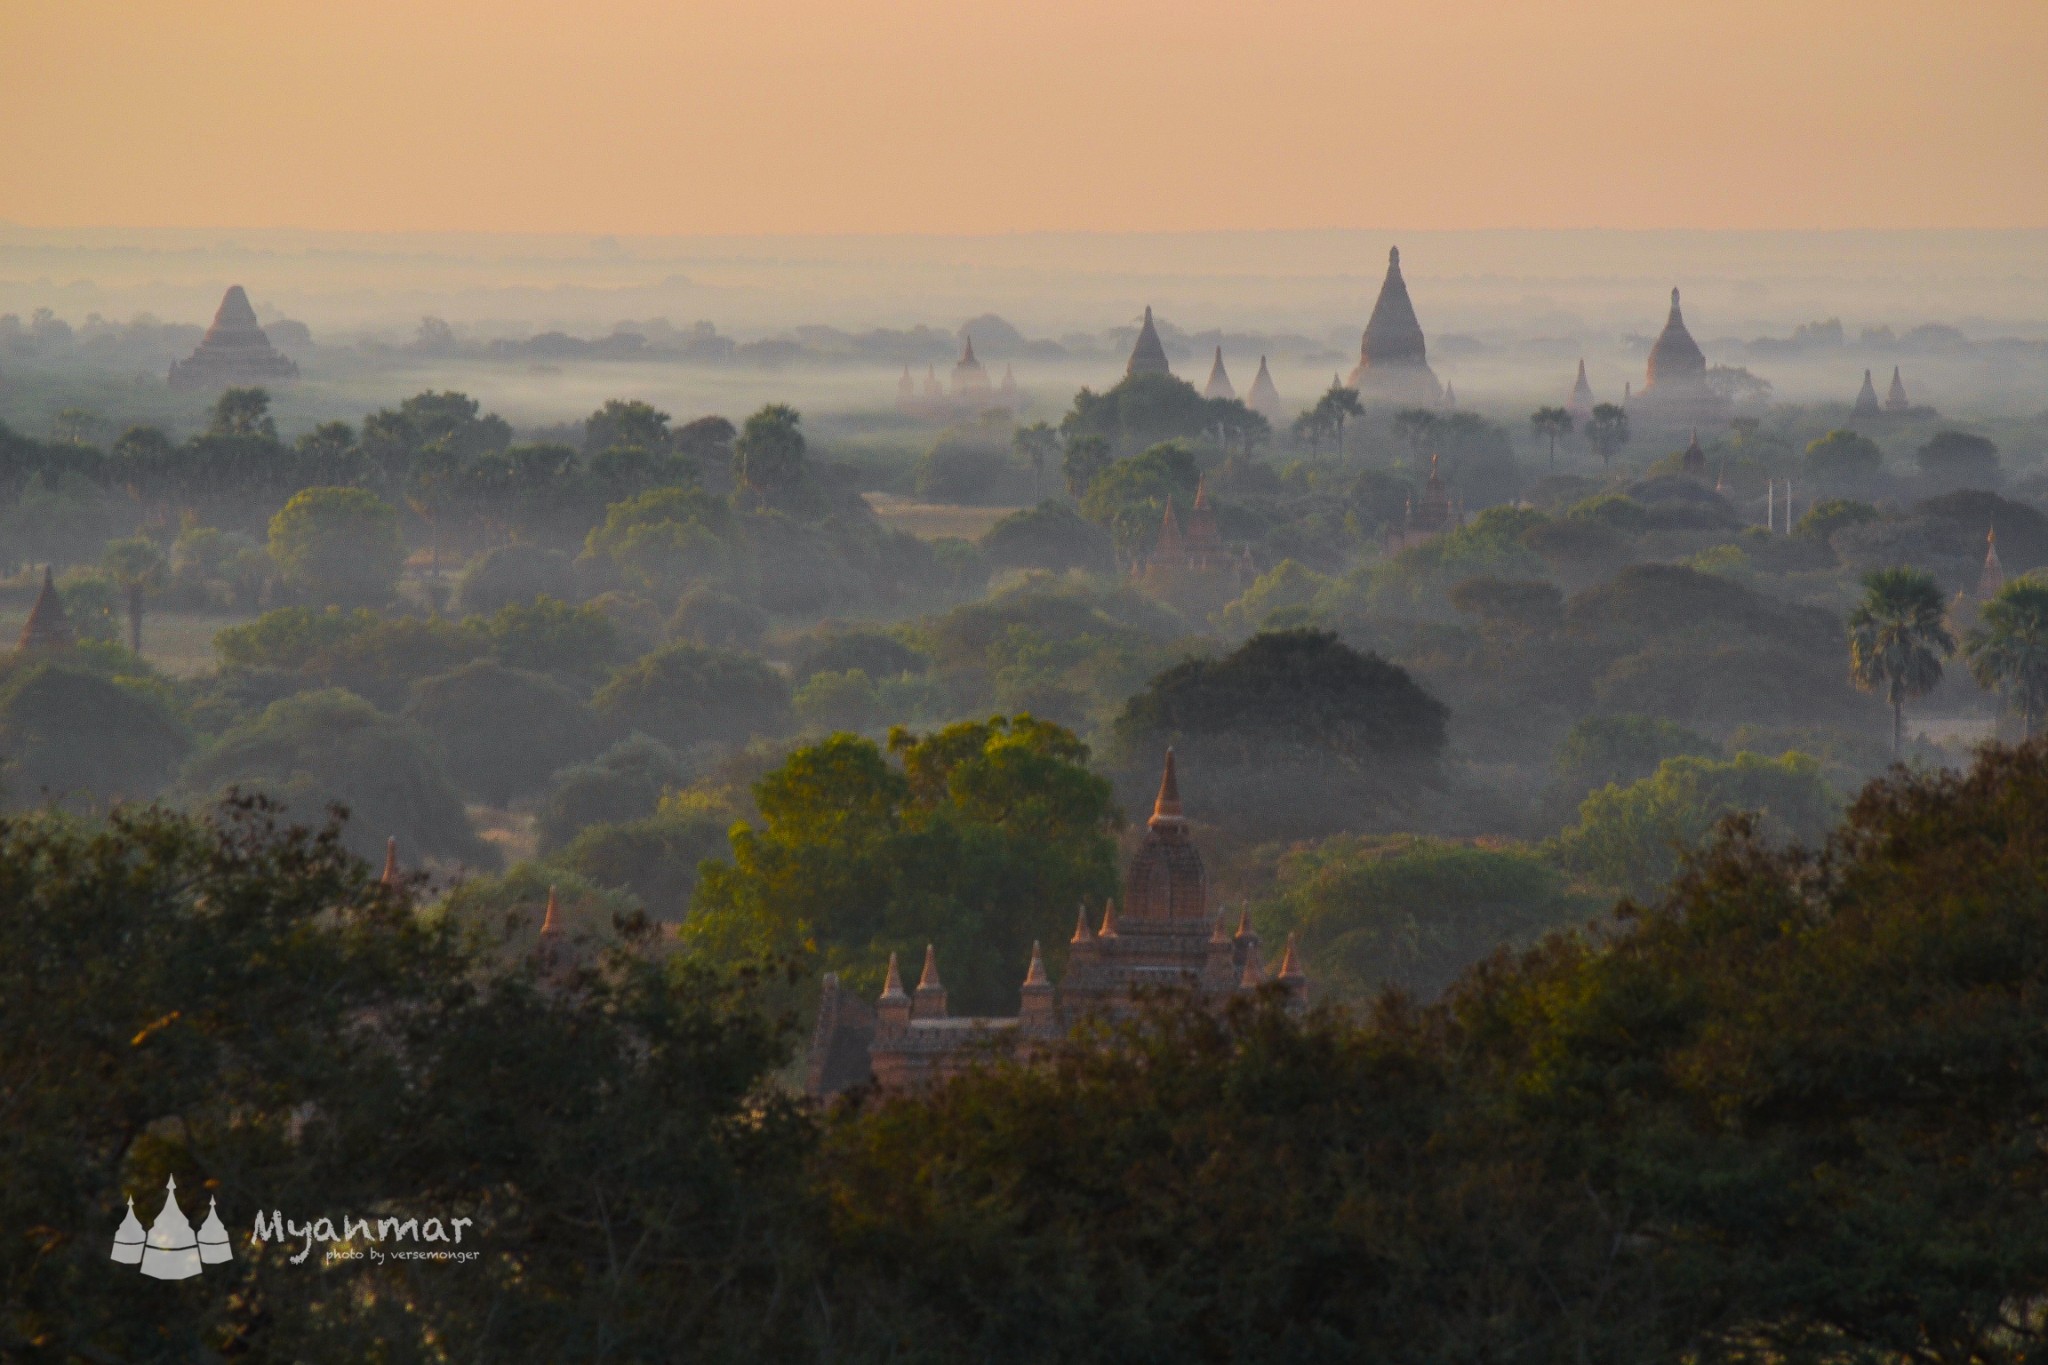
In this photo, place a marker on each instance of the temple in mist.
(48, 628)
(235, 350)
(1148, 355)
(1427, 517)
(970, 392)
(1164, 936)
(1580, 403)
(1264, 398)
(1219, 385)
(1675, 387)
(1393, 360)
(1895, 400)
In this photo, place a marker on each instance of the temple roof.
(1580, 403)
(1165, 880)
(1219, 385)
(1676, 356)
(1895, 400)
(1393, 336)
(1992, 581)
(1866, 398)
(234, 349)
(1264, 397)
(1149, 355)
(47, 627)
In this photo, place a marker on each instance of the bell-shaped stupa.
(1675, 387)
(1219, 385)
(970, 377)
(172, 1251)
(128, 1239)
(1895, 400)
(213, 1238)
(1149, 355)
(234, 350)
(1264, 399)
(1866, 400)
(1393, 359)
(1580, 404)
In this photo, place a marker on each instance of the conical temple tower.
(1393, 360)
(128, 1239)
(1264, 399)
(1580, 405)
(1675, 359)
(1992, 581)
(1149, 355)
(172, 1251)
(1219, 385)
(235, 350)
(1694, 461)
(970, 380)
(1866, 399)
(47, 627)
(213, 1238)
(1895, 399)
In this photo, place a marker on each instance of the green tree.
(1959, 459)
(1634, 838)
(1086, 457)
(1607, 430)
(2008, 651)
(1549, 425)
(768, 457)
(473, 712)
(685, 695)
(1037, 443)
(243, 412)
(1336, 407)
(1129, 498)
(137, 567)
(983, 840)
(1898, 638)
(83, 739)
(1842, 459)
(338, 545)
(630, 424)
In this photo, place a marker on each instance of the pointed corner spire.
(1201, 492)
(1674, 298)
(1393, 258)
(171, 1182)
(1034, 975)
(390, 874)
(1244, 922)
(892, 987)
(1108, 929)
(967, 356)
(1166, 808)
(1148, 315)
(1290, 966)
(550, 920)
(929, 981)
(1082, 933)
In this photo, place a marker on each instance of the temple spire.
(390, 875)
(48, 627)
(1219, 385)
(1166, 806)
(1895, 399)
(1866, 399)
(892, 986)
(1108, 929)
(930, 998)
(1034, 975)
(1148, 356)
(550, 920)
(1290, 967)
(1992, 581)
(1082, 933)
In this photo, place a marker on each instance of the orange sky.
(636, 116)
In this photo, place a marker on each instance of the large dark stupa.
(1393, 360)
(233, 351)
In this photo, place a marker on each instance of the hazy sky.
(664, 116)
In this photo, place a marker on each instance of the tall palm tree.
(1897, 640)
(1551, 423)
(1607, 430)
(2009, 651)
(137, 567)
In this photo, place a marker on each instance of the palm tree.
(2009, 651)
(1335, 408)
(1551, 423)
(1607, 430)
(137, 566)
(1897, 640)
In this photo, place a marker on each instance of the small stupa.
(1393, 358)
(970, 380)
(1895, 399)
(1992, 581)
(1264, 399)
(1580, 404)
(48, 627)
(172, 1251)
(213, 1238)
(234, 350)
(1219, 385)
(1866, 400)
(128, 1239)
(1149, 355)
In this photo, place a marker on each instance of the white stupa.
(213, 1238)
(128, 1238)
(172, 1252)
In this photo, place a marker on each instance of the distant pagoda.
(1694, 461)
(1991, 582)
(233, 351)
(1149, 355)
(1264, 399)
(1675, 385)
(1580, 404)
(1895, 401)
(1219, 385)
(1393, 359)
(1866, 400)
(970, 380)
(48, 627)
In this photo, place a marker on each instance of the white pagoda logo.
(171, 1250)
